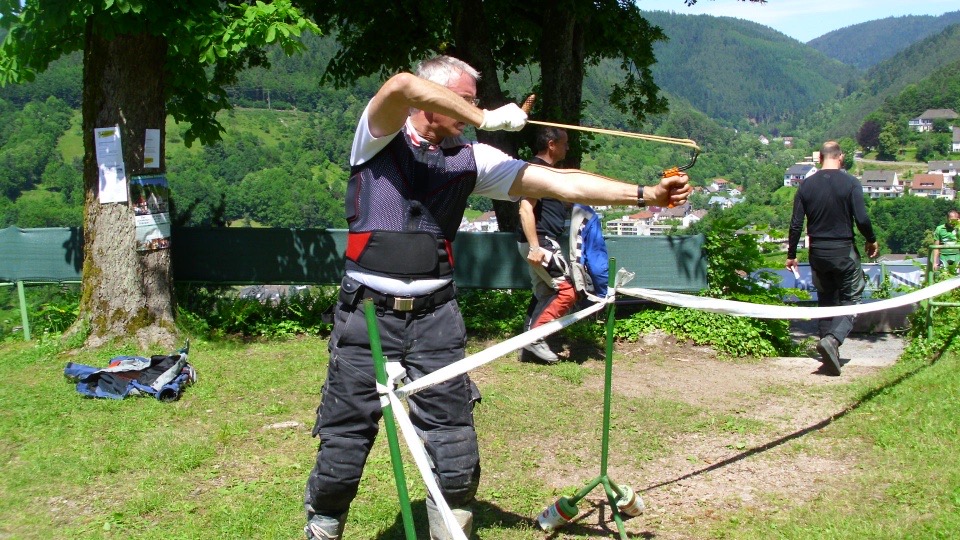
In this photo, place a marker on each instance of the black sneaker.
(829, 349)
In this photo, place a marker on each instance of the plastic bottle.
(557, 515)
(630, 504)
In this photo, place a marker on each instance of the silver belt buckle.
(403, 304)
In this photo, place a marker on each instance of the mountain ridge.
(866, 44)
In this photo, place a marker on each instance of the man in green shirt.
(946, 234)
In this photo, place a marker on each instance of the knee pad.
(456, 463)
(333, 482)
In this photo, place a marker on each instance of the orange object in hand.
(528, 103)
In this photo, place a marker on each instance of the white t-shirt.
(496, 172)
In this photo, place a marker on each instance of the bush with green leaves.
(733, 260)
(215, 311)
(51, 309)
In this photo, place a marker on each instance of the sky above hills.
(804, 20)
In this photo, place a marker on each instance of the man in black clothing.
(542, 221)
(831, 200)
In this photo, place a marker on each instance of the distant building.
(924, 122)
(798, 173)
(487, 222)
(946, 168)
(881, 184)
(631, 225)
(956, 139)
(930, 185)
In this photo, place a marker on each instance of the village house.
(881, 184)
(956, 140)
(930, 185)
(718, 184)
(946, 168)
(798, 173)
(925, 121)
(632, 225)
(487, 222)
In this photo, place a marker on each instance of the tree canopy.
(208, 44)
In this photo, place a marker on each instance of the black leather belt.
(400, 303)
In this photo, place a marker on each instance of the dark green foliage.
(933, 146)
(219, 312)
(866, 44)
(732, 336)
(28, 142)
(760, 73)
(51, 308)
(493, 313)
(733, 259)
(903, 223)
(920, 77)
(939, 90)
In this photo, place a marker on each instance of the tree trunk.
(470, 33)
(125, 293)
(562, 72)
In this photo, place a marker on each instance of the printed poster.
(150, 197)
(113, 176)
(151, 149)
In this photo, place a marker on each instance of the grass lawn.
(213, 465)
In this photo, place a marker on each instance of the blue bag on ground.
(161, 376)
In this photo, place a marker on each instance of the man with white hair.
(411, 173)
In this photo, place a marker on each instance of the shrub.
(732, 263)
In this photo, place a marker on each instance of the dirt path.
(710, 475)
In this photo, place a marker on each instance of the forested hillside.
(886, 80)
(867, 44)
(282, 161)
(733, 69)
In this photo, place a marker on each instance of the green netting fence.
(264, 256)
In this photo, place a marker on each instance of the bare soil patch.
(707, 476)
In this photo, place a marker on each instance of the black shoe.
(829, 349)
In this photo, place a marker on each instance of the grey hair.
(443, 69)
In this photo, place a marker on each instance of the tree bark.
(562, 71)
(469, 23)
(125, 293)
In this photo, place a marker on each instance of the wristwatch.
(640, 202)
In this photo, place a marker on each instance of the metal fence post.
(23, 311)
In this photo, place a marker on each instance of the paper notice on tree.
(151, 149)
(113, 176)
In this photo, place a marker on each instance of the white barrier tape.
(419, 454)
(763, 311)
(505, 347)
(395, 373)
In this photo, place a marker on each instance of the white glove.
(510, 117)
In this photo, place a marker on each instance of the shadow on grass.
(872, 394)
(594, 520)
(485, 515)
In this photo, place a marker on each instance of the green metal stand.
(613, 491)
(379, 365)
